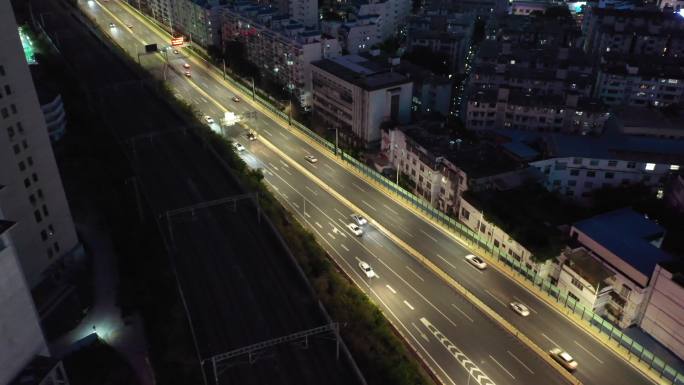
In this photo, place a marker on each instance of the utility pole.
(224, 69)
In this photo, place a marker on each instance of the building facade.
(628, 244)
(446, 34)
(664, 315)
(356, 95)
(516, 109)
(198, 20)
(391, 15)
(640, 81)
(32, 195)
(282, 48)
(22, 250)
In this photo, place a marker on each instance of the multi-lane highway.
(455, 339)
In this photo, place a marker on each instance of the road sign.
(176, 41)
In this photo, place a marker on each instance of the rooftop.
(362, 72)
(649, 118)
(587, 266)
(628, 235)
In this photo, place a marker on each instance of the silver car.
(476, 261)
(563, 358)
(358, 219)
(520, 308)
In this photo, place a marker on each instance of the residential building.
(198, 20)
(585, 279)
(643, 31)
(161, 10)
(628, 244)
(355, 37)
(538, 31)
(545, 71)
(304, 11)
(640, 81)
(674, 195)
(431, 92)
(43, 236)
(447, 35)
(649, 122)
(355, 95)
(441, 167)
(391, 15)
(521, 110)
(282, 48)
(575, 165)
(663, 318)
(21, 248)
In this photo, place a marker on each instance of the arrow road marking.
(425, 337)
(472, 369)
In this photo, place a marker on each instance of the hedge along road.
(545, 326)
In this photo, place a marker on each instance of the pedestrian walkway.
(104, 318)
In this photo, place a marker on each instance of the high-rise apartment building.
(31, 193)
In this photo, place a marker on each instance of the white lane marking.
(295, 205)
(329, 167)
(416, 274)
(555, 345)
(273, 166)
(462, 312)
(495, 297)
(284, 164)
(307, 214)
(274, 187)
(409, 305)
(311, 190)
(283, 135)
(287, 172)
(267, 132)
(447, 262)
(390, 289)
(338, 211)
(376, 241)
(390, 209)
(472, 369)
(501, 366)
(528, 306)
(423, 335)
(337, 231)
(314, 166)
(331, 236)
(369, 205)
(588, 352)
(284, 196)
(319, 225)
(428, 235)
(344, 247)
(359, 187)
(520, 362)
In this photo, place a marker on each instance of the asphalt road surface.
(411, 297)
(239, 288)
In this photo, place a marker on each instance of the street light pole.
(253, 93)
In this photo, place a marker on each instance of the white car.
(520, 308)
(367, 269)
(186, 65)
(311, 159)
(208, 119)
(187, 74)
(175, 52)
(236, 99)
(476, 261)
(112, 25)
(355, 229)
(238, 147)
(563, 358)
(358, 219)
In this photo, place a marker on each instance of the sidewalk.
(125, 336)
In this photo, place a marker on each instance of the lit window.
(659, 194)
(650, 166)
(674, 167)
